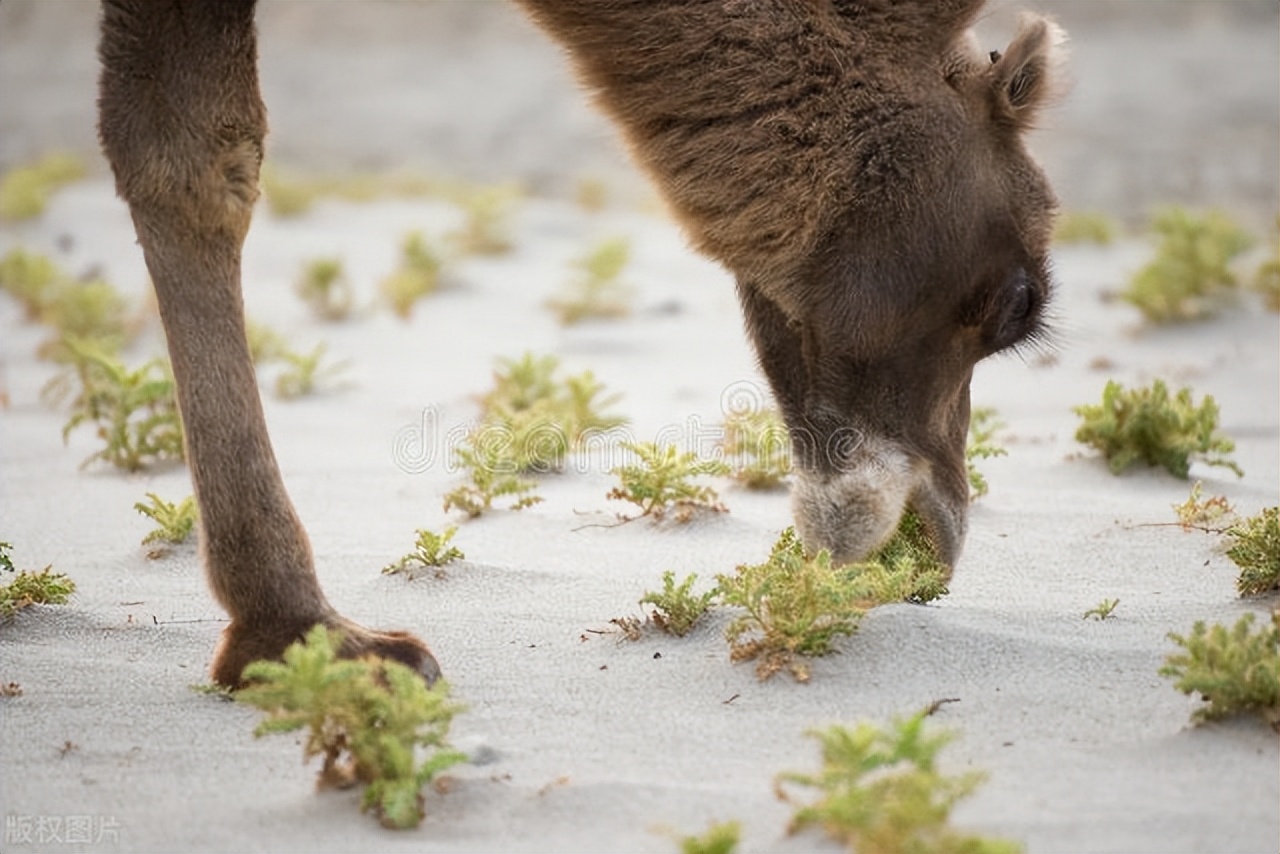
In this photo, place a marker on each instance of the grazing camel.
(856, 164)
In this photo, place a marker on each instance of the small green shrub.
(1190, 276)
(530, 422)
(797, 605)
(286, 195)
(1146, 425)
(417, 276)
(676, 608)
(983, 426)
(324, 286)
(91, 311)
(879, 791)
(26, 588)
(1085, 227)
(757, 447)
(1255, 548)
(1102, 610)
(1235, 670)
(368, 718)
(661, 482)
(486, 229)
(175, 522)
(430, 550)
(1266, 281)
(1202, 512)
(595, 290)
(25, 191)
(29, 278)
(265, 344)
(487, 456)
(306, 373)
(135, 410)
(519, 384)
(290, 193)
(526, 393)
(720, 838)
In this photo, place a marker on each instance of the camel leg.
(182, 123)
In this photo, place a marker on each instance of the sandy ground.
(585, 743)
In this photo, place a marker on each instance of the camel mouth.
(854, 512)
(881, 503)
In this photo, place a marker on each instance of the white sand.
(595, 744)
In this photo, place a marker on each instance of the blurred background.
(1174, 101)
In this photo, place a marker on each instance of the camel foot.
(242, 644)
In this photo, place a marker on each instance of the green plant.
(92, 312)
(676, 608)
(1266, 281)
(720, 838)
(526, 395)
(1085, 227)
(417, 276)
(983, 426)
(1202, 512)
(368, 718)
(1255, 548)
(29, 278)
(135, 410)
(529, 423)
(286, 195)
(879, 791)
(757, 446)
(797, 605)
(1102, 610)
(430, 549)
(175, 521)
(519, 384)
(1190, 276)
(486, 455)
(86, 310)
(1146, 425)
(265, 344)
(25, 191)
(595, 291)
(292, 193)
(1235, 670)
(660, 481)
(485, 229)
(45, 587)
(304, 372)
(324, 286)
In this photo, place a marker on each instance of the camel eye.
(1013, 314)
(1020, 304)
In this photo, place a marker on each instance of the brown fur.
(856, 165)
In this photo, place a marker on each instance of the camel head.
(858, 166)
(934, 256)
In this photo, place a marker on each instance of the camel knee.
(181, 118)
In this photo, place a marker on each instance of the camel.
(857, 165)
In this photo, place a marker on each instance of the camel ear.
(1028, 75)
